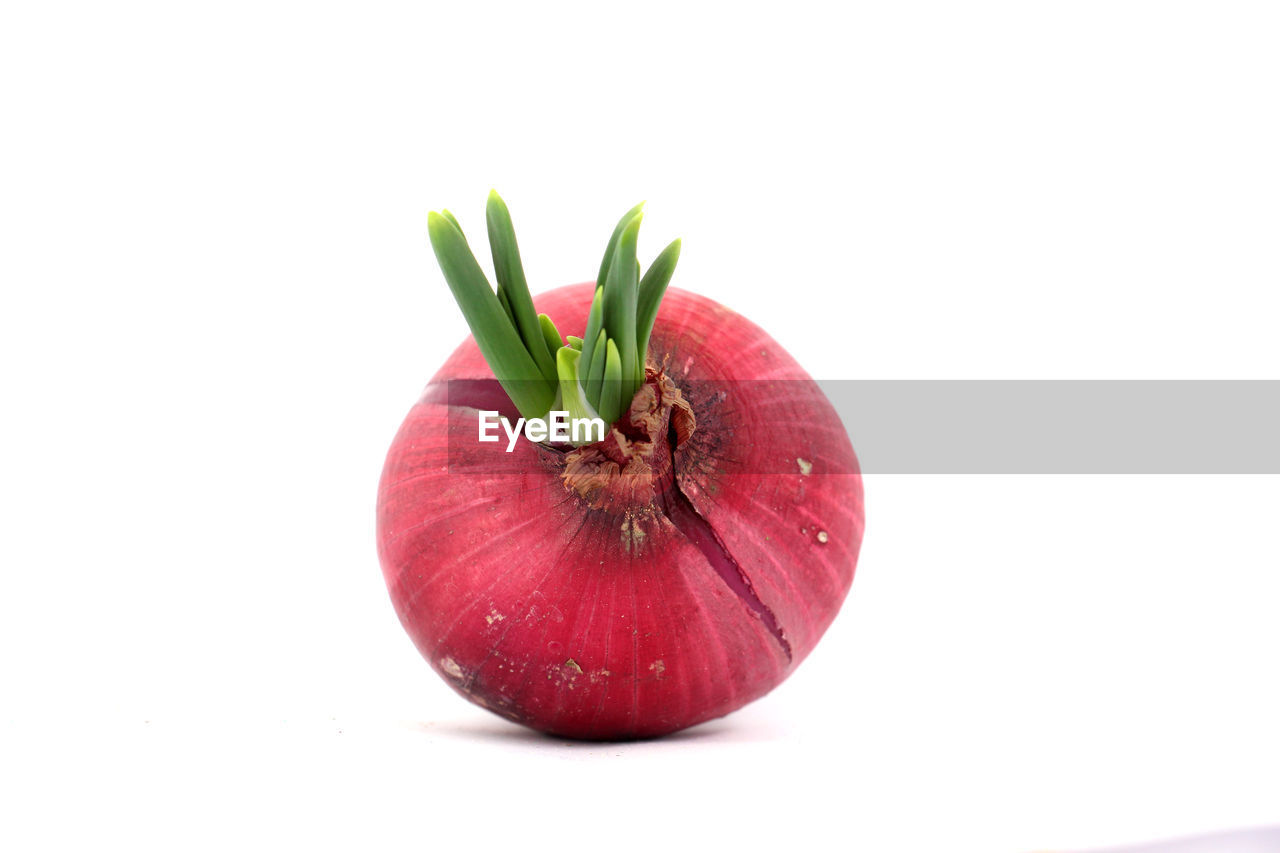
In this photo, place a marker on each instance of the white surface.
(219, 302)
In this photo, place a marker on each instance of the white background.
(219, 301)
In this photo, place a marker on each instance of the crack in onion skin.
(606, 622)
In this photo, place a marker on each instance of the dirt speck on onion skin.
(697, 597)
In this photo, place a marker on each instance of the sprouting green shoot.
(489, 321)
(652, 288)
(595, 370)
(572, 397)
(512, 284)
(453, 219)
(595, 375)
(620, 297)
(505, 302)
(613, 243)
(595, 324)
(610, 407)
(550, 334)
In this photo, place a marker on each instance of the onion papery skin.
(615, 623)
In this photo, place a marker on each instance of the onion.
(668, 575)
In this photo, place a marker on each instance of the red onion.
(668, 575)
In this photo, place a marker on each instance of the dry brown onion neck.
(631, 466)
